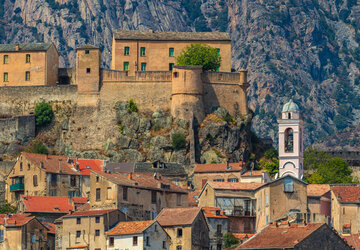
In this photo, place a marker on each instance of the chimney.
(130, 176)
(17, 47)
(228, 165)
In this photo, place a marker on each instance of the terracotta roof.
(279, 237)
(50, 226)
(84, 207)
(219, 167)
(141, 180)
(25, 47)
(353, 240)
(241, 236)
(317, 190)
(253, 173)
(235, 185)
(80, 199)
(192, 201)
(89, 213)
(347, 194)
(130, 227)
(16, 220)
(53, 163)
(170, 36)
(177, 216)
(47, 204)
(210, 212)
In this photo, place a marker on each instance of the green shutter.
(143, 66)
(171, 66)
(218, 52)
(6, 77)
(142, 51)
(6, 59)
(27, 58)
(126, 51)
(126, 66)
(171, 52)
(27, 76)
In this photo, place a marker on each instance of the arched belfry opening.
(289, 115)
(289, 140)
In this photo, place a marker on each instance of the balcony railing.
(17, 187)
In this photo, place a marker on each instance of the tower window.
(87, 52)
(88, 70)
(289, 115)
(27, 58)
(289, 140)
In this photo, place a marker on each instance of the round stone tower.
(187, 93)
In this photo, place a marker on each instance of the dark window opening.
(88, 70)
(179, 232)
(87, 52)
(98, 198)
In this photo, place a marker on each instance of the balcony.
(17, 187)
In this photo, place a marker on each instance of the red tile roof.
(210, 212)
(279, 237)
(141, 180)
(89, 213)
(50, 226)
(177, 216)
(317, 190)
(46, 204)
(85, 207)
(353, 240)
(347, 194)
(80, 199)
(241, 236)
(192, 201)
(253, 173)
(130, 227)
(218, 167)
(235, 185)
(16, 220)
(60, 164)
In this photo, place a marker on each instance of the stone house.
(259, 176)
(296, 236)
(49, 175)
(345, 209)
(278, 198)
(236, 200)
(45, 208)
(319, 200)
(86, 229)
(218, 227)
(187, 228)
(28, 64)
(220, 172)
(157, 51)
(141, 235)
(139, 195)
(21, 231)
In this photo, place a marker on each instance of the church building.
(291, 141)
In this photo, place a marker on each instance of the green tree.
(270, 163)
(43, 114)
(5, 207)
(230, 240)
(132, 107)
(200, 54)
(37, 147)
(178, 141)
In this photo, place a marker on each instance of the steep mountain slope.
(304, 49)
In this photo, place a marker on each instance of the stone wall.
(17, 128)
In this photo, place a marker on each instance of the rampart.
(17, 128)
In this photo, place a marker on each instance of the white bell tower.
(291, 141)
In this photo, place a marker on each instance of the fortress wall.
(22, 100)
(122, 76)
(17, 128)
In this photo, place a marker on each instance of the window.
(6, 77)
(78, 220)
(126, 66)
(97, 232)
(259, 203)
(87, 52)
(97, 178)
(6, 59)
(143, 66)
(78, 234)
(171, 52)
(108, 193)
(97, 219)
(27, 58)
(28, 166)
(178, 199)
(27, 76)
(171, 66)
(53, 179)
(73, 180)
(53, 192)
(217, 68)
(71, 193)
(179, 248)
(267, 200)
(218, 229)
(179, 232)
(88, 70)
(288, 185)
(2, 235)
(153, 197)
(267, 219)
(147, 241)
(155, 228)
(21, 168)
(111, 241)
(142, 51)
(98, 194)
(218, 51)
(35, 180)
(219, 180)
(289, 140)
(233, 180)
(135, 240)
(126, 51)
(125, 193)
(164, 244)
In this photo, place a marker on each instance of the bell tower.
(291, 141)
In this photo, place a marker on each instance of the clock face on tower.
(289, 165)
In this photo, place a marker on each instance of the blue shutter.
(1, 235)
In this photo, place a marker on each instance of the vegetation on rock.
(230, 240)
(5, 208)
(37, 147)
(201, 55)
(270, 163)
(43, 114)
(178, 140)
(132, 107)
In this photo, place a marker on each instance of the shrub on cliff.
(37, 147)
(200, 54)
(43, 114)
(178, 141)
(132, 107)
(230, 240)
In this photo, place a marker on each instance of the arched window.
(289, 140)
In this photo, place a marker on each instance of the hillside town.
(140, 187)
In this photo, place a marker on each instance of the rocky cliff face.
(307, 50)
